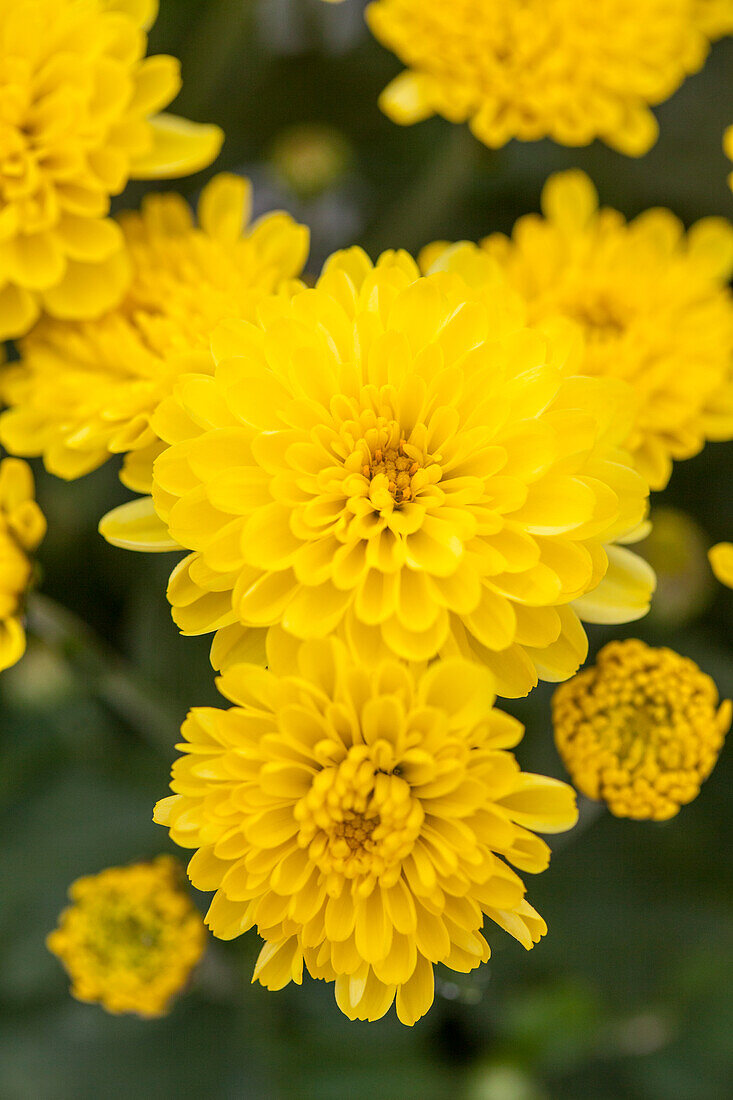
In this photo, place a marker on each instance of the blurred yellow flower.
(79, 116)
(398, 459)
(130, 938)
(653, 303)
(528, 69)
(640, 730)
(22, 527)
(87, 389)
(360, 818)
(721, 562)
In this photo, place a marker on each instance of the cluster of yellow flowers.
(402, 487)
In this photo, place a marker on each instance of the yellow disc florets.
(131, 937)
(79, 107)
(361, 819)
(22, 527)
(640, 730)
(528, 69)
(85, 390)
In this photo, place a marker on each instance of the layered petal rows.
(361, 819)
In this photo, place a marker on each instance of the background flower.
(641, 729)
(79, 116)
(398, 459)
(358, 818)
(22, 527)
(87, 389)
(130, 938)
(653, 303)
(561, 69)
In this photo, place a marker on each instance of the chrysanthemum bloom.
(22, 527)
(640, 730)
(565, 69)
(131, 937)
(653, 303)
(360, 818)
(87, 389)
(79, 105)
(398, 459)
(721, 562)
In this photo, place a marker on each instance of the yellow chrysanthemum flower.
(653, 303)
(398, 459)
(721, 562)
(131, 937)
(640, 730)
(360, 818)
(528, 69)
(22, 527)
(79, 105)
(87, 389)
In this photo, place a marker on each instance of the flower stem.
(108, 677)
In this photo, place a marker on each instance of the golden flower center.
(357, 820)
(398, 467)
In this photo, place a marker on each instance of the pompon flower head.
(85, 390)
(399, 460)
(22, 527)
(361, 819)
(79, 116)
(563, 69)
(653, 303)
(720, 557)
(640, 730)
(130, 938)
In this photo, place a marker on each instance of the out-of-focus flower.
(721, 562)
(564, 69)
(653, 303)
(130, 938)
(728, 148)
(360, 818)
(676, 550)
(79, 116)
(85, 390)
(640, 730)
(22, 527)
(398, 459)
(310, 158)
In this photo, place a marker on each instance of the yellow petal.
(179, 148)
(569, 199)
(406, 100)
(624, 593)
(225, 207)
(721, 562)
(137, 526)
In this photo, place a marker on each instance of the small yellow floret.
(361, 819)
(399, 460)
(571, 70)
(653, 303)
(131, 937)
(22, 527)
(721, 562)
(86, 390)
(640, 730)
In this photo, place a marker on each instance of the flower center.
(398, 467)
(357, 820)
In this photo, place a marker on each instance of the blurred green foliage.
(629, 994)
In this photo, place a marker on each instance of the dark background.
(629, 994)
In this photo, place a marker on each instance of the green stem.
(103, 672)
